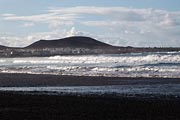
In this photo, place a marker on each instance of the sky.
(138, 23)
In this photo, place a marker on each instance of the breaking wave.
(160, 64)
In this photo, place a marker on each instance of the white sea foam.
(1, 61)
(119, 59)
(133, 65)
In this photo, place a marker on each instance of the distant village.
(52, 51)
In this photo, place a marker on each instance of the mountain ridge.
(76, 45)
(3, 47)
(72, 42)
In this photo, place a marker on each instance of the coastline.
(25, 105)
(35, 80)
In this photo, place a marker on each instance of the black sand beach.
(18, 105)
(35, 80)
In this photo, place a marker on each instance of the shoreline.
(35, 80)
(29, 106)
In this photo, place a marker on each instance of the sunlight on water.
(160, 64)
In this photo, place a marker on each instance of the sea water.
(157, 64)
(127, 90)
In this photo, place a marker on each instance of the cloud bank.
(120, 26)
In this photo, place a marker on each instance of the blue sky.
(149, 23)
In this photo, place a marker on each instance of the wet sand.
(34, 80)
(21, 106)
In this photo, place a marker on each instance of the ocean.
(153, 90)
(157, 64)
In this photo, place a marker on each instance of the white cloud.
(7, 15)
(52, 19)
(28, 24)
(74, 32)
(22, 41)
(114, 25)
(12, 41)
(170, 20)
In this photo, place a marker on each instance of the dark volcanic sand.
(20, 80)
(18, 106)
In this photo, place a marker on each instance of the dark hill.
(76, 45)
(2, 47)
(72, 42)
